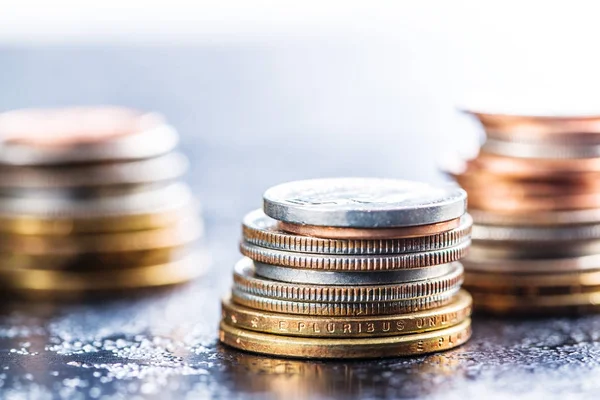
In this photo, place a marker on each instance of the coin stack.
(90, 203)
(534, 193)
(351, 268)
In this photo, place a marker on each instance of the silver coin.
(81, 193)
(261, 230)
(146, 144)
(308, 276)
(342, 309)
(171, 197)
(528, 250)
(386, 262)
(164, 168)
(538, 218)
(556, 265)
(543, 151)
(364, 203)
(535, 234)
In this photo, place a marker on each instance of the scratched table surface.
(249, 118)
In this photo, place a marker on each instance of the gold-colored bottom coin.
(391, 346)
(44, 281)
(369, 233)
(566, 304)
(181, 233)
(347, 327)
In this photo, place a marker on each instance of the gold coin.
(55, 282)
(320, 348)
(339, 309)
(540, 279)
(579, 303)
(93, 261)
(179, 234)
(347, 327)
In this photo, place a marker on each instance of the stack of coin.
(351, 268)
(90, 202)
(534, 193)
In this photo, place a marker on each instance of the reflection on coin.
(246, 280)
(558, 279)
(319, 277)
(159, 169)
(82, 134)
(261, 230)
(363, 203)
(520, 251)
(391, 346)
(347, 327)
(340, 308)
(385, 262)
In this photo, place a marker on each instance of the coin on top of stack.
(351, 268)
(90, 202)
(534, 193)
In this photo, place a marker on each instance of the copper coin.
(369, 233)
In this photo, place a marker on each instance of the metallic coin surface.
(363, 203)
(520, 251)
(92, 261)
(246, 280)
(386, 262)
(263, 231)
(566, 304)
(507, 203)
(177, 235)
(82, 281)
(159, 169)
(391, 346)
(321, 277)
(82, 134)
(543, 151)
(340, 308)
(486, 280)
(535, 234)
(347, 327)
(541, 168)
(147, 202)
(542, 218)
(370, 233)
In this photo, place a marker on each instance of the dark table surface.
(247, 122)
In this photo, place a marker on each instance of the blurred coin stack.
(534, 194)
(90, 203)
(351, 268)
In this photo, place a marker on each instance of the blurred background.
(268, 87)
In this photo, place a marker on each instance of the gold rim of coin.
(347, 327)
(550, 304)
(339, 309)
(542, 218)
(330, 232)
(517, 203)
(94, 261)
(334, 262)
(541, 168)
(319, 348)
(96, 281)
(174, 236)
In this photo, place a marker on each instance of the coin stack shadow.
(351, 290)
(534, 195)
(90, 204)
